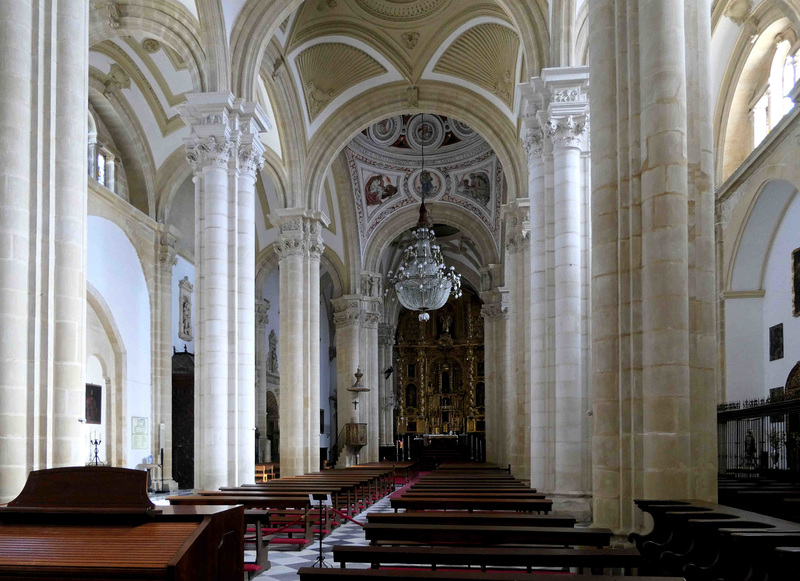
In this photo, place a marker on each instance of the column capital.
(567, 131)
(262, 313)
(533, 143)
(496, 304)
(517, 216)
(372, 284)
(386, 334)
(166, 252)
(355, 310)
(224, 129)
(300, 232)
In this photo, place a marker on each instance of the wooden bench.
(450, 493)
(471, 504)
(437, 534)
(98, 523)
(312, 574)
(704, 540)
(483, 557)
(493, 518)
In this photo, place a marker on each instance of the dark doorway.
(183, 419)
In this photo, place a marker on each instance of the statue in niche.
(476, 186)
(273, 352)
(411, 395)
(185, 309)
(447, 320)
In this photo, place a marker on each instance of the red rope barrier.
(294, 522)
(345, 516)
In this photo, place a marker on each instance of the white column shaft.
(211, 393)
(292, 344)
(15, 244)
(568, 339)
(312, 367)
(246, 261)
(541, 457)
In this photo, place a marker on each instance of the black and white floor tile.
(285, 561)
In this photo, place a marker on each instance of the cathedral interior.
(206, 207)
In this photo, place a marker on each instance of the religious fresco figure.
(378, 188)
(476, 186)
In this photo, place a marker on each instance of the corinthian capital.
(212, 151)
(534, 144)
(251, 158)
(566, 131)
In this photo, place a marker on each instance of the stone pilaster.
(386, 335)
(43, 200)
(517, 278)
(495, 311)
(299, 248)
(224, 152)
(652, 309)
(262, 320)
(166, 258)
(356, 318)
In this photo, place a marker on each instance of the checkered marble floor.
(285, 561)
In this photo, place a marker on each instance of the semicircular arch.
(407, 217)
(434, 97)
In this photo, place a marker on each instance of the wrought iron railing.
(757, 436)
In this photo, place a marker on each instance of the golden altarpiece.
(440, 370)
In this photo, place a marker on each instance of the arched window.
(773, 101)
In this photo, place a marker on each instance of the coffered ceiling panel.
(328, 69)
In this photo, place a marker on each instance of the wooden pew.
(98, 523)
(450, 493)
(704, 540)
(483, 557)
(493, 518)
(471, 504)
(429, 534)
(279, 504)
(312, 574)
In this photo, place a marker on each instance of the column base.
(576, 504)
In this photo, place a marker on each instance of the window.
(101, 169)
(774, 101)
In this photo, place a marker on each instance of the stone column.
(43, 198)
(250, 161)
(542, 456)
(299, 247)
(652, 324)
(564, 128)
(386, 334)
(262, 320)
(166, 258)
(495, 311)
(346, 319)
(370, 408)
(225, 155)
(315, 249)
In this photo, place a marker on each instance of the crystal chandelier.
(423, 282)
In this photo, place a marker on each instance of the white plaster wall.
(181, 216)
(778, 298)
(114, 270)
(181, 269)
(744, 361)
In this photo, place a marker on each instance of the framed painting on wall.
(796, 282)
(776, 342)
(94, 402)
(139, 433)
